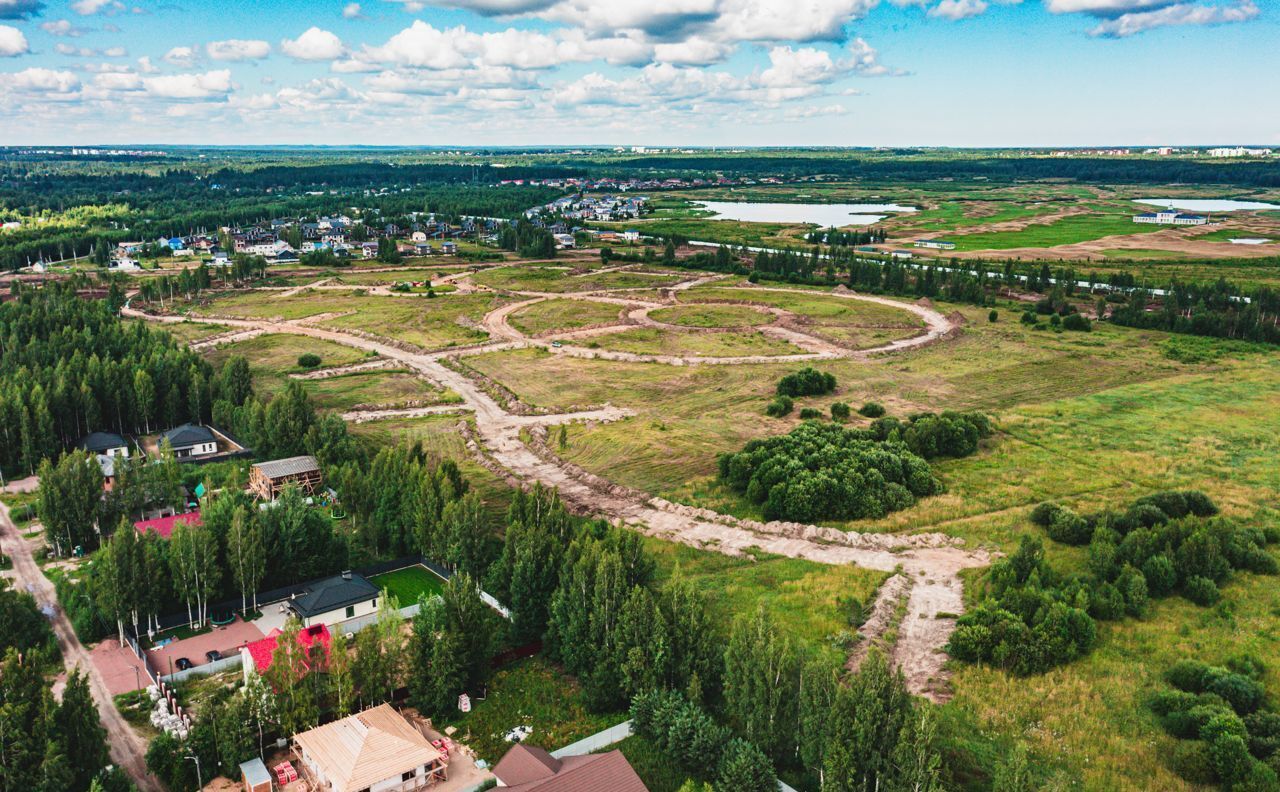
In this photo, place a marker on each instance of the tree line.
(69, 367)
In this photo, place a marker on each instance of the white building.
(190, 440)
(336, 599)
(1170, 216)
(936, 244)
(564, 241)
(1239, 151)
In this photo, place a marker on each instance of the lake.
(823, 215)
(1206, 205)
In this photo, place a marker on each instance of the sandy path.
(338, 371)
(364, 416)
(930, 562)
(128, 749)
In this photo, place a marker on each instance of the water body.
(1205, 204)
(1249, 241)
(824, 215)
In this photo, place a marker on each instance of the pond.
(1206, 204)
(823, 215)
(1249, 241)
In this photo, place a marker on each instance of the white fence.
(208, 669)
(596, 741)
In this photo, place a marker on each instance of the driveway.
(226, 639)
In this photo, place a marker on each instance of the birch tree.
(246, 556)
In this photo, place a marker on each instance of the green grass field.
(383, 388)
(560, 279)
(561, 315)
(533, 693)
(273, 356)
(654, 341)
(410, 584)
(711, 316)
(1066, 231)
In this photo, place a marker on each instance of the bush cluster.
(692, 739)
(839, 411)
(871, 410)
(810, 413)
(1033, 618)
(807, 382)
(308, 360)
(1223, 711)
(933, 435)
(779, 407)
(827, 472)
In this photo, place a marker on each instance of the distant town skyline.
(698, 73)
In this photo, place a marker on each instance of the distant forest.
(1110, 170)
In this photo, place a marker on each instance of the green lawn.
(654, 341)
(533, 693)
(409, 584)
(273, 356)
(1066, 231)
(384, 388)
(712, 316)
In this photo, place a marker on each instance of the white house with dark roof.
(105, 444)
(191, 440)
(1170, 216)
(335, 599)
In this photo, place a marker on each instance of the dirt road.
(929, 563)
(128, 749)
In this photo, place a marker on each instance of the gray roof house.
(335, 599)
(191, 440)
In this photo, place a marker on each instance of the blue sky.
(660, 72)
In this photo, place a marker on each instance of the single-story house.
(374, 751)
(448, 248)
(191, 440)
(267, 479)
(336, 599)
(257, 656)
(164, 525)
(631, 235)
(936, 244)
(104, 443)
(107, 464)
(564, 241)
(526, 768)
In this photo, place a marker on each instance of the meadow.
(274, 356)
(561, 315)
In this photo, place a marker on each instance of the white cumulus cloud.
(238, 50)
(42, 81)
(958, 9)
(180, 56)
(314, 45)
(351, 11)
(1173, 16)
(12, 42)
(208, 85)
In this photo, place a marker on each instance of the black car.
(183, 663)
(213, 655)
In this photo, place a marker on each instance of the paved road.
(128, 749)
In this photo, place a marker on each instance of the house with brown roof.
(373, 751)
(527, 768)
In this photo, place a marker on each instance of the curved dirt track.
(497, 323)
(928, 564)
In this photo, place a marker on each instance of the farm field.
(1065, 231)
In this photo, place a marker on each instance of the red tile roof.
(264, 649)
(165, 525)
(607, 772)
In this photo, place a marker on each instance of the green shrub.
(779, 407)
(1044, 512)
(1161, 577)
(744, 768)
(839, 411)
(1264, 733)
(807, 382)
(1167, 702)
(871, 410)
(1029, 318)
(1055, 320)
(993, 316)
(1193, 762)
(810, 413)
(1188, 675)
(308, 360)
(1223, 724)
(1202, 591)
(1069, 528)
(1231, 758)
(1077, 322)
(1242, 693)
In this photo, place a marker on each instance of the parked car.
(183, 663)
(213, 655)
